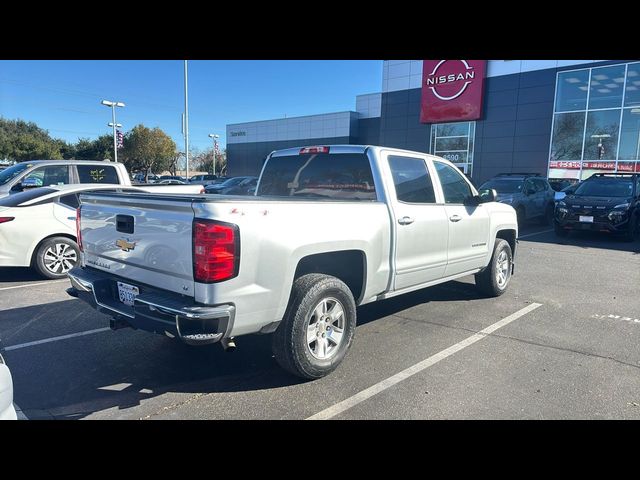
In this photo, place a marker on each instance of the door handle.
(455, 218)
(405, 220)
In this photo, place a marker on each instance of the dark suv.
(529, 193)
(605, 202)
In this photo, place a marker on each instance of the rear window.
(97, 174)
(345, 176)
(17, 199)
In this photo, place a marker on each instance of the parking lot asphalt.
(576, 355)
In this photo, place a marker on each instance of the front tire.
(560, 232)
(55, 257)
(318, 327)
(494, 280)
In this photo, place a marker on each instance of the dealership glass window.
(632, 89)
(454, 142)
(596, 127)
(630, 135)
(601, 139)
(568, 131)
(571, 90)
(606, 87)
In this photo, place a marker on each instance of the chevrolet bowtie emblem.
(125, 246)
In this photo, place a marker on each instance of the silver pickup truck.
(330, 228)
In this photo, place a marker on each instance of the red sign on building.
(452, 90)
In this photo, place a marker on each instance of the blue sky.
(63, 96)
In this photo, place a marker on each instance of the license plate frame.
(586, 219)
(127, 293)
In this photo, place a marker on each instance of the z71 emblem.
(125, 246)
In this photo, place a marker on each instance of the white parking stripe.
(34, 284)
(55, 339)
(418, 367)
(536, 233)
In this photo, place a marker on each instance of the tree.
(99, 149)
(147, 149)
(20, 141)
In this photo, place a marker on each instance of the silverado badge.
(125, 246)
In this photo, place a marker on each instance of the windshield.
(504, 185)
(17, 199)
(232, 181)
(10, 173)
(606, 187)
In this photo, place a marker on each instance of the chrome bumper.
(154, 310)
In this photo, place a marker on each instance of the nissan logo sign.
(452, 90)
(467, 75)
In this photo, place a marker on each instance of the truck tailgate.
(143, 238)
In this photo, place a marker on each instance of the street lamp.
(113, 124)
(215, 142)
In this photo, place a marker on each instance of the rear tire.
(55, 257)
(318, 327)
(493, 281)
(547, 218)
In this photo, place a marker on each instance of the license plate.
(127, 293)
(586, 219)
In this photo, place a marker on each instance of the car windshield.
(504, 185)
(606, 187)
(10, 173)
(17, 199)
(232, 181)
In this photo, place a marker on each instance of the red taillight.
(216, 251)
(314, 150)
(78, 231)
(6, 219)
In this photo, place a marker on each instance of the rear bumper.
(154, 310)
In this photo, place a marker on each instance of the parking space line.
(418, 367)
(34, 284)
(535, 233)
(55, 339)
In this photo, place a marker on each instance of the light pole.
(113, 124)
(215, 142)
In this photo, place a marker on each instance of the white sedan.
(38, 227)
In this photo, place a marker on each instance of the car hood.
(580, 200)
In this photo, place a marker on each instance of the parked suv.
(529, 193)
(44, 173)
(605, 202)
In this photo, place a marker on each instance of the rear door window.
(344, 176)
(411, 179)
(97, 174)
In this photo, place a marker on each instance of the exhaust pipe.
(229, 344)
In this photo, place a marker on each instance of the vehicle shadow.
(73, 378)
(19, 274)
(588, 240)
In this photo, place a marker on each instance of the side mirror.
(487, 195)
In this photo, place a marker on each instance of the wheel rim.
(325, 328)
(60, 258)
(502, 269)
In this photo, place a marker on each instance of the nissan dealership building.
(561, 118)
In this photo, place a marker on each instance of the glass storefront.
(596, 121)
(454, 142)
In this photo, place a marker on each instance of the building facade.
(561, 118)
